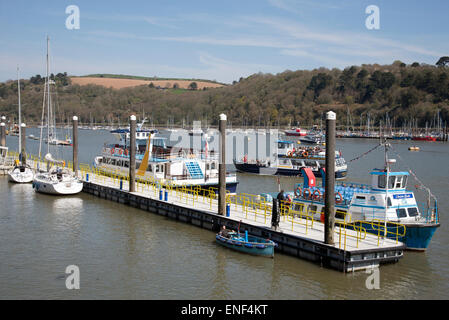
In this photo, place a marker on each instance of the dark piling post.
(75, 145)
(222, 167)
(132, 153)
(329, 201)
(2, 134)
(23, 155)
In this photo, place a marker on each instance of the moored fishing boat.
(246, 244)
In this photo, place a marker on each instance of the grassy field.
(122, 81)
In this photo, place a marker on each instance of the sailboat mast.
(20, 113)
(48, 98)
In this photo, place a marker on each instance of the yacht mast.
(20, 114)
(48, 98)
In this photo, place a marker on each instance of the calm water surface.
(125, 253)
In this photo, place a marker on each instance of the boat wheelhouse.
(290, 161)
(155, 160)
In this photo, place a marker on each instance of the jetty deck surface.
(296, 236)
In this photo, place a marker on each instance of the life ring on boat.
(298, 192)
(340, 198)
(316, 195)
(120, 152)
(305, 154)
(126, 152)
(289, 153)
(309, 193)
(112, 151)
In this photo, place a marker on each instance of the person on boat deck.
(224, 232)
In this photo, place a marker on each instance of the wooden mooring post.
(132, 153)
(222, 167)
(329, 201)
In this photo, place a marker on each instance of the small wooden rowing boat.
(246, 244)
(413, 148)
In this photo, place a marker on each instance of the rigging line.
(365, 153)
(413, 174)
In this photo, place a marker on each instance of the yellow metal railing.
(393, 229)
(252, 206)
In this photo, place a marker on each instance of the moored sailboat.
(21, 173)
(57, 179)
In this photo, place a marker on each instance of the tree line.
(406, 93)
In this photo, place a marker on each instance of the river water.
(126, 253)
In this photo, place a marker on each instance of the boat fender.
(298, 192)
(316, 194)
(339, 198)
(309, 193)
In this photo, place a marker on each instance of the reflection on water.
(125, 253)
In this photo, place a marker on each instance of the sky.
(216, 40)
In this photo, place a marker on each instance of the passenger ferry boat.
(290, 161)
(385, 202)
(177, 166)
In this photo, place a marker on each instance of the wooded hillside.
(405, 92)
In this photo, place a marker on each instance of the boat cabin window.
(404, 181)
(312, 209)
(126, 164)
(398, 184)
(381, 181)
(285, 161)
(150, 168)
(401, 213)
(389, 202)
(310, 163)
(360, 198)
(113, 162)
(340, 214)
(282, 145)
(158, 169)
(298, 207)
(391, 181)
(412, 212)
(213, 165)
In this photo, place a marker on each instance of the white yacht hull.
(57, 188)
(16, 176)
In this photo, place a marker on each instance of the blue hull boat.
(416, 236)
(247, 244)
